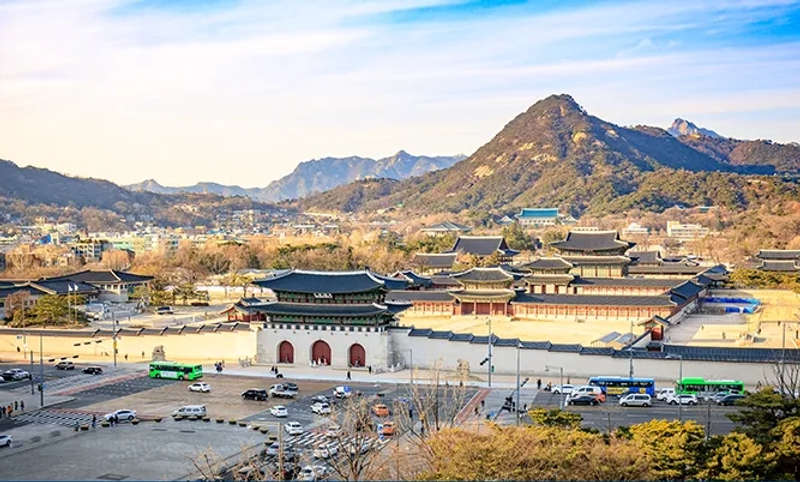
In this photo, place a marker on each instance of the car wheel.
(130, 417)
(673, 402)
(624, 404)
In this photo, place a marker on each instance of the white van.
(190, 411)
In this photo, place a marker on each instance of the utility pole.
(708, 420)
(31, 372)
(411, 365)
(280, 451)
(630, 352)
(114, 340)
(41, 371)
(489, 342)
(518, 386)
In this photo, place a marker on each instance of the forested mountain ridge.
(556, 154)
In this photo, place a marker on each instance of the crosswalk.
(65, 417)
(309, 440)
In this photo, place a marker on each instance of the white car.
(307, 473)
(333, 431)
(200, 387)
(321, 408)
(5, 440)
(326, 451)
(274, 448)
(293, 428)
(279, 411)
(665, 393)
(683, 399)
(122, 415)
(567, 389)
(636, 400)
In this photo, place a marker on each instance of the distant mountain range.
(28, 192)
(317, 175)
(557, 155)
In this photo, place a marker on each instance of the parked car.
(380, 410)
(636, 400)
(321, 408)
(255, 394)
(190, 411)
(122, 415)
(589, 389)
(320, 398)
(387, 428)
(165, 310)
(307, 473)
(280, 391)
(274, 448)
(712, 397)
(93, 370)
(665, 393)
(5, 440)
(342, 391)
(279, 411)
(293, 428)
(566, 389)
(585, 399)
(730, 399)
(16, 374)
(326, 451)
(333, 431)
(291, 387)
(200, 387)
(65, 365)
(683, 399)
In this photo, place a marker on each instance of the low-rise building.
(686, 232)
(445, 228)
(537, 217)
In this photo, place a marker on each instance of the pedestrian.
(411, 413)
(77, 425)
(539, 384)
(116, 419)
(22, 405)
(348, 374)
(476, 410)
(2, 412)
(483, 404)
(126, 357)
(142, 355)
(16, 405)
(369, 368)
(94, 421)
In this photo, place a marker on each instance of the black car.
(93, 370)
(729, 399)
(586, 399)
(292, 387)
(255, 394)
(65, 365)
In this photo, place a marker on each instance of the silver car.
(636, 400)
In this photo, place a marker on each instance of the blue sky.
(241, 91)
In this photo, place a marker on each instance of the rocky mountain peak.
(683, 127)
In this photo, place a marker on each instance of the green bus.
(707, 388)
(180, 371)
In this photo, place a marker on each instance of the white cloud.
(241, 94)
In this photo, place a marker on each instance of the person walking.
(16, 405)
(369, 368)
(22, 405)
(539, 384)
(94, 421)
(2, 412)
(348, 374)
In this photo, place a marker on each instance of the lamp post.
(630, 352)
(489, 342)
(680, 378)
(547, 368)
(518, 386)
(411, 365)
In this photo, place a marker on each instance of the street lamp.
(547, 368)
(489, 342)
(519, 345)
(630, 352)
(411, 365)
(680, 379)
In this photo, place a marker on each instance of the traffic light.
(492, 368)
(484, 361)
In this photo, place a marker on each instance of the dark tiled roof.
(572, 348)
(323, 282)
(412, 295)
(310, 309)
(483, 275)
(393, 283)
(482, 245)
(687, 290)
(758, 355)
(647, 282)
(529, 298)
(440, 335)
(108, 276)
(447, 226)
(444, 281)
(783, 265)
(420, 331)
(435, 260)
(592, 241)
(645, 257)
(667, 268)
(413, 278)
(462, 337)
(563, 279)
(548, 264)
(31, 290)
(595, 260)
(538, 213)
(779, 254)
(62, 287)
(608, 338)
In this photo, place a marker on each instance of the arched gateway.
(358, 356)
(285, 352)
(321, 353)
